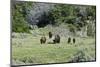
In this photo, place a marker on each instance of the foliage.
(73, 15)
(62, 13)
(69, 13)
(19, 23)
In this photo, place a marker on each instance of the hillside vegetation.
(28, 15)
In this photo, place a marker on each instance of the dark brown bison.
(73, 40)
(50, 34)
(43, 40)
(69, 40)
(56, 39)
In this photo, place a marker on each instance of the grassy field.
(28, 50)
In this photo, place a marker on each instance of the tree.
(19, 23)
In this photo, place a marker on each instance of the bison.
(56, 39)
(73, 40)
(69, 40)
(43, 40)
(50, 34)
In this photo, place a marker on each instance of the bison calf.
(69, 40)
(56, 39)
(50, 34)
(73, 40)
(43, 40)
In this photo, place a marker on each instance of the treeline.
(74, 15)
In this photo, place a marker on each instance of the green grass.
(28, 50)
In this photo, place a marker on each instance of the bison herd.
(55, 39)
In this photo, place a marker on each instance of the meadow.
(26, 49)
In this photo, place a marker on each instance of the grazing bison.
(69, 40)
(50, 34)
(56, 39)
(73, 40)
(43, 40)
